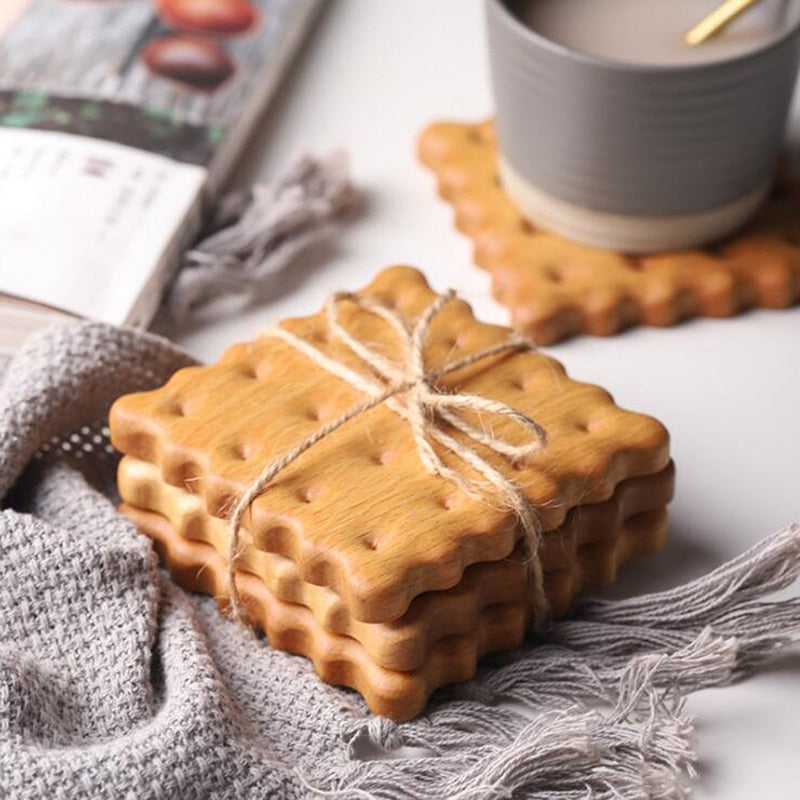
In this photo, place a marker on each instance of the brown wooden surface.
(342, 660)
(584, 552)
(358, 512)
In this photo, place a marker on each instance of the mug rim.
(590, 59)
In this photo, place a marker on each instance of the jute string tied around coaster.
(410, 390)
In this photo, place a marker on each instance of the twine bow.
(409, 390)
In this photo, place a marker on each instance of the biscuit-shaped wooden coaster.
(555, 288)
(359, 512)
(583, 552)
(342, 660)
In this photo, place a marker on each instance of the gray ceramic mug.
(637, 157)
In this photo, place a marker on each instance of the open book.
(118, 118)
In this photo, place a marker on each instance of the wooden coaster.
(343, 660)
(585, 552)
(555, 288)
(359, 513)
(339, 660)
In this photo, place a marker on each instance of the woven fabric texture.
(116, 683)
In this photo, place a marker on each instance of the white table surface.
(374, 74)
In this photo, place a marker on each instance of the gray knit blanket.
(115, 683)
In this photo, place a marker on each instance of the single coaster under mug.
(556, 288)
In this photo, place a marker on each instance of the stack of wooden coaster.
(392, 580)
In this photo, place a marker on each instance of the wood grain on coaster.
(555, 288)
(584, 552)
(339, 660)
(359, 513)
(343, 660)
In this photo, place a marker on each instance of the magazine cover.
(115, 116)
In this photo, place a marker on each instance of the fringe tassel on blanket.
(255, 235)
(597, 709)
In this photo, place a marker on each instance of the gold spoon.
(717, 20)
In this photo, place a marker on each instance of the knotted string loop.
(409, 389)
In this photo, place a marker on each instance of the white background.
(375, 73)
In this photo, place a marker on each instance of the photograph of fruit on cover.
(166, 76)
